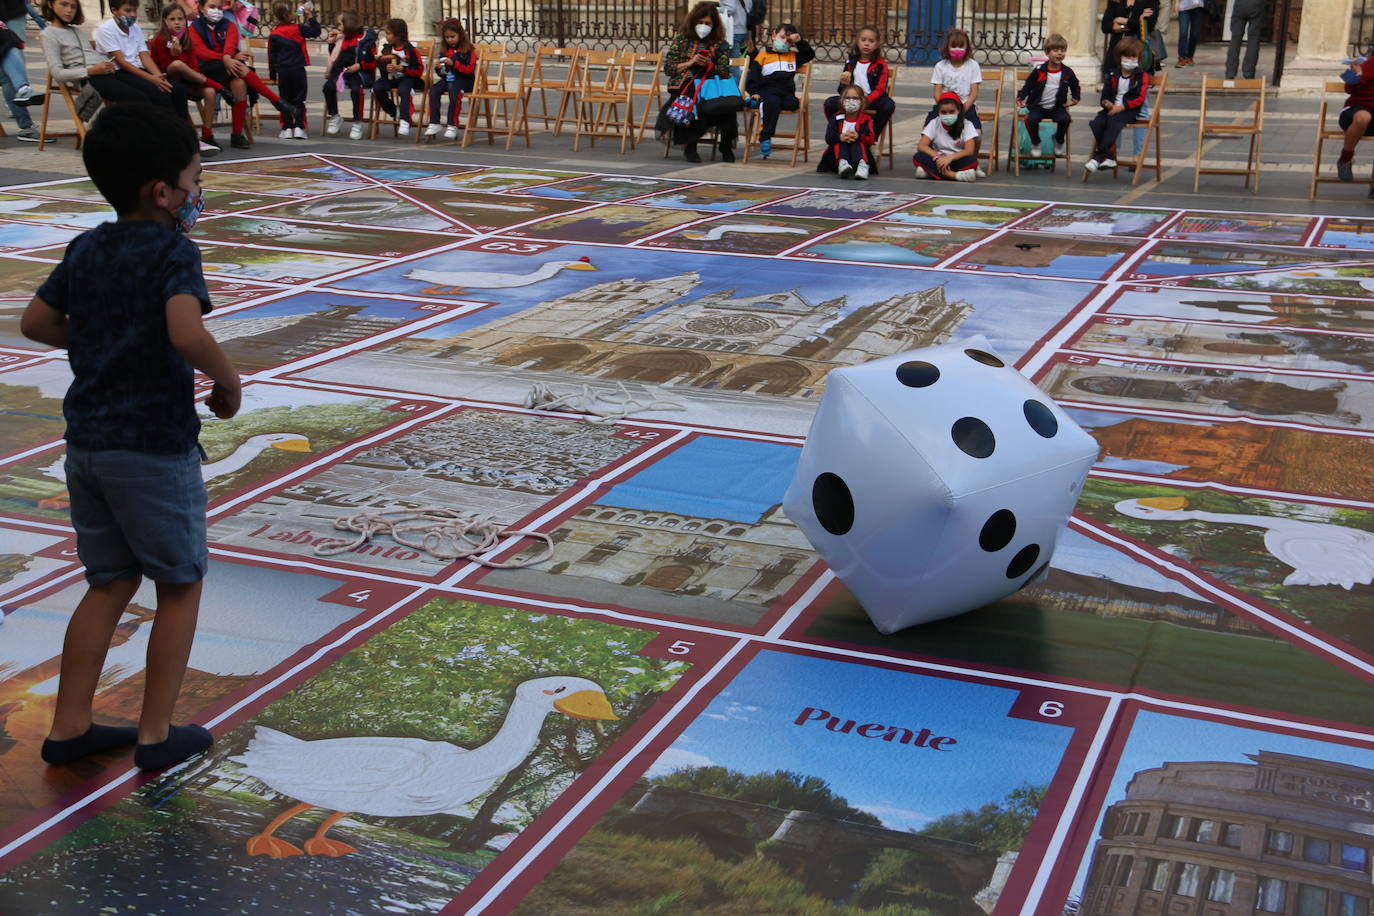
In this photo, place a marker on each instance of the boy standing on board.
(126, 303)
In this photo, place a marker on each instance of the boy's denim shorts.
(138, 514)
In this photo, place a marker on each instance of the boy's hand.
(224, 402)
(1116, 109)
(793, 37)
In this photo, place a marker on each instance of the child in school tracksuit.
(1123, 93)
(455, 64)
(1049, 92)
(287, 58)
(849, 138)
(352, 64)
(772, 84)
(400, 68)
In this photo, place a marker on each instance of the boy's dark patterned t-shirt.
(131, 390)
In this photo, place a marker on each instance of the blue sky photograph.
(750, 727)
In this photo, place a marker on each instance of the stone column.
(1323, 41)
(1079, 21)
(420, 15)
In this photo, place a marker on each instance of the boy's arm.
(44, 324)
(1027, 88)
(189, 338)
(805, 53)
(1075, 90)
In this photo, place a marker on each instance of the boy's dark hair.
(351, 22)
(283, 12)
(877, 50)
(132, 144)
(50, 14)
(399, 30)
(1130, 46)
(1056, 42)
(787, 27)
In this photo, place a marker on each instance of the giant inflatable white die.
(936, 481)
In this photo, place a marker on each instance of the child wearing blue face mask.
(772, 84)
(1123, 93)
(126, 303)
(948, 149)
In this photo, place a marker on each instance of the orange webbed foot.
(267, 845)
(323, 846)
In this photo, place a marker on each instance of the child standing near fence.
(400, 68)
(1123, 93)
(772, 80)
(849, 138)
(1049, 92)
(287, 58)
(454, 65)
(352, 65)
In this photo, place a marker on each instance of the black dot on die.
(1024, 560)
(1033, 576)
(1040, 418)
(973, 436)
(832, 503)
(918, 374)
(997, 531)
(984, 357)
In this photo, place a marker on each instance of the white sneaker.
(333, 124)
(23, 94)
(844, 168)
(1091, 165)
(921, 173)
(966, 175)
(451, 132)
(434, 130)
(1108, 163)
(356, 131)
(861, 172)
(403, 129)
(982, 173)
(300, 134)
(286, 133)
(1061, 149)
(1035, 151)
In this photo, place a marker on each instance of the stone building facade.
(776, 343)
(1285, 835)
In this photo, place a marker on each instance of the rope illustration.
(618, 407)
(443, 533)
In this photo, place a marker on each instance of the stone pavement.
(1287, 153)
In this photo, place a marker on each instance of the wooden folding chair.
(419, 100)
(1254, 128)
(553, 70)
(485, 49)
(652, 66)
(1158, 83)
(44, 135)
(500, 83)
(1014, 154)
(799, 138)
(1325, 133)
(886, 145)
(602, 98)
(992, 139)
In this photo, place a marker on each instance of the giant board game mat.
(681, 710)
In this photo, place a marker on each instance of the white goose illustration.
(239, 459)
(720, 231)
(946, 209)
(404, 777)
(1320, 554)
(485, 279)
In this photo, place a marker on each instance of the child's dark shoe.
(97, 740)
(183, 742)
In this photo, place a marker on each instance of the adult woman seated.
(700, 48)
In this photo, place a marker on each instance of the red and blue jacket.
(286, 48)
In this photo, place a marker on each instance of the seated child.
(849, 138)
(772, 84)
(1049, 92)
(948, 149)
(1123, 94)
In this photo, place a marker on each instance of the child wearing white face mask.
(849, 138)
(772, 84)
(1123, 93)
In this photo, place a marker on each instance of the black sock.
(97, 740)
(183, 742)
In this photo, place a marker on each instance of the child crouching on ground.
(126, 302)
(1123, 92)
(949, 144)
(1049, 92)
(849, 138)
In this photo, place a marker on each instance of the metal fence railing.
(1362, 29)
(1002, 31)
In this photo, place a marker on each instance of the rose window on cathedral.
(728, 325)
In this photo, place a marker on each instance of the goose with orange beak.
(403, 777)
